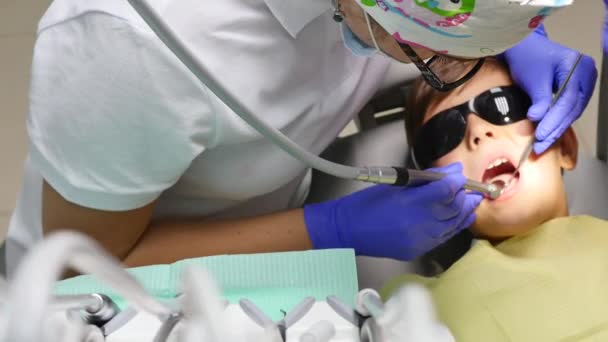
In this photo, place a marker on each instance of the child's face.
(537, 194)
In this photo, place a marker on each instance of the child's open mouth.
(500, 173)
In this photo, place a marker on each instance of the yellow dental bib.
(548, 285)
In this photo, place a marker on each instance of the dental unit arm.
(378, 175)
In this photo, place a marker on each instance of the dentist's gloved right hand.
(394, 222)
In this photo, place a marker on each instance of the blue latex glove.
(540, 66)
(394, 222)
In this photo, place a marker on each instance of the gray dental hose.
(379, 175)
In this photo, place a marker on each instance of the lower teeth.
(504, 188)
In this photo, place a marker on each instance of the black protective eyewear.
(446, 130)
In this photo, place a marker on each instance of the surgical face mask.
(356, 46)
(465, 28)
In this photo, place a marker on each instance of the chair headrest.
(587, 188)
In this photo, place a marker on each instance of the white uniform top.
(116, 121)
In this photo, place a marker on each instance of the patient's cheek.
(444, 161)
(524, 128)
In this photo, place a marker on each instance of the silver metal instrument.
(528, 150)
(97, 309)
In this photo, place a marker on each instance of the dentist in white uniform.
(129, 148)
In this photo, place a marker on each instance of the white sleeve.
(115, 119)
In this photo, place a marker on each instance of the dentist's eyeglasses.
(440, 77)
(434, 72)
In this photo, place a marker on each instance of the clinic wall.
(578, 26)
(18, 21)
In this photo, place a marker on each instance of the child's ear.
(568, 149)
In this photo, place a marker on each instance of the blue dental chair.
(382, 141)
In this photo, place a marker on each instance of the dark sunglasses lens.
(439, 136)
(503, 106)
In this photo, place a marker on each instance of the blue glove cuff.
(541, 30)
(321, 225)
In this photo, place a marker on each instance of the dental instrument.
(370, 306)
(201, 303)
(256, 315)
(199, 310)
(289, 320)
(30, 293)
(408, 315)
(369, 303)
(204, 314)
(95, 308)
(419, 176)
(296, 314)
(375, 174)
(322, 331)
(344, 311)
(59, 328)
(530, 146)
(121, 319)
(167, 327)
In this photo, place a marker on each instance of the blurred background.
(577, 26)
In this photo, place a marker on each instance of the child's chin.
(501, 228)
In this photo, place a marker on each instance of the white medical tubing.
(30, 293)
(186, 56)
(374, 174)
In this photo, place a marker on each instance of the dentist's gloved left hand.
(392, 221)
(540, 66)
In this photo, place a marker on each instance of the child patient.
(533, 274)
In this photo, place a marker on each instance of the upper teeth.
(497, 162)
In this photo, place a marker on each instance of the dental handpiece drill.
(411, 177)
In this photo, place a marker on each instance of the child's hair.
(421, 95)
